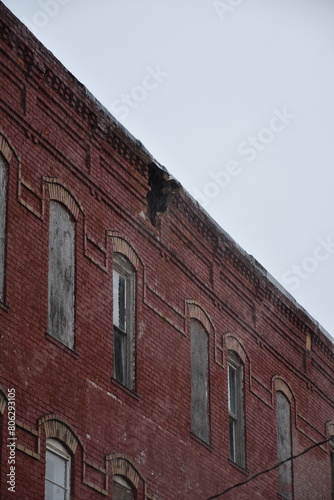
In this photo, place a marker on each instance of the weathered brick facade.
(59, 144)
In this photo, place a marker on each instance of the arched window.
(3, 206)
(122, 489)
(57, 471)
(123, 319)
(199, 381)
(61, 274)
(235, 408)
(284, 447)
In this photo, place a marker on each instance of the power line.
(271, 468)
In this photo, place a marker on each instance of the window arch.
(236, 408)
(3, 209)
(57, 471)
(199, 381)
(61, 274)
(124, 320)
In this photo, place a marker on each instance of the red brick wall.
(64, 146)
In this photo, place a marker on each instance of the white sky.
(203, 84)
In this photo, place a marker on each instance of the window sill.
(200, 441)
(62, 346)
(239, 467)
(124, 388)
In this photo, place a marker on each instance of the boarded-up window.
(121, 489)
(284, 449)
(61, 275)
(123, 319)
(3, 204)
(235, 409)
(199, 381)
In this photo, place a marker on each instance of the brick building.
(148, 356)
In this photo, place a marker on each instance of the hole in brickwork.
(161, 188)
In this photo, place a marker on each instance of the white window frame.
(124, 320)
(235, 409)
(56, 448)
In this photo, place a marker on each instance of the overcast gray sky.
(235, 99)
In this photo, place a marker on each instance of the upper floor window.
(123, 319)
(3, 205)
(122, 489)
(199, 381)
(57, 471)
(61, 274)
(284, 448)
(235, 409)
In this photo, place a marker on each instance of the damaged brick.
(161, 190)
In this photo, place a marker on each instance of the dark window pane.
(235, 408)
(120, 356)
(115, 297)
(122, 303)
(232, 426)
(232, 389)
